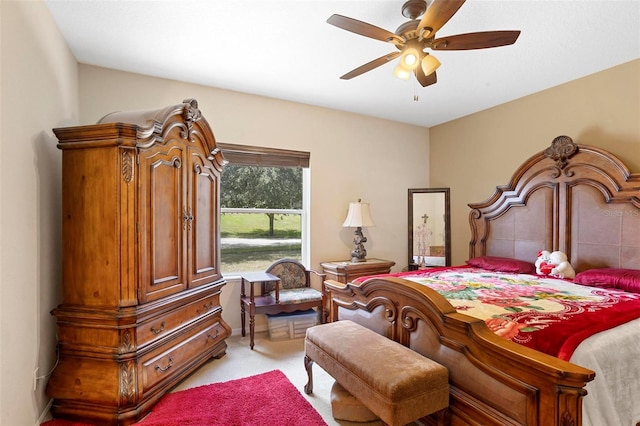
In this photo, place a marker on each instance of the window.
(264, 205)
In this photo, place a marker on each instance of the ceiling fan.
(415, 36)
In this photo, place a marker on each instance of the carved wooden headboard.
(579, 199)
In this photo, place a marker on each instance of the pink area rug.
(267, 399)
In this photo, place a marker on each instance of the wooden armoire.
(141, 261)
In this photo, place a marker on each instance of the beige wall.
(474, 154)
(39, 83)
(352, 156)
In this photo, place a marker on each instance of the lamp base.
(359, 253)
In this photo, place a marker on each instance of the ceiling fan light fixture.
(429, 64)
(412, 38)
(402, 72)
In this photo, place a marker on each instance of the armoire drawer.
(152, 330)
(174, 357)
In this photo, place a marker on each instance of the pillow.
(502, 264)
(621, 279)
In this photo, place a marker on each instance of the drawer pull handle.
(209, 336)
(208, 306)
(162, 370)
(155, 330)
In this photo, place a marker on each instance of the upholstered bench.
(396, 383)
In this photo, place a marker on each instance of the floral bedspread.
(547, 314)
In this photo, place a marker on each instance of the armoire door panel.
(93, 238)
(164, 224)
(203, 238)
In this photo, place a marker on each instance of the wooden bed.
(575, 198)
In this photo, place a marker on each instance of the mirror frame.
(419, 192)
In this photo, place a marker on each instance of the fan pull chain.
(415, 94)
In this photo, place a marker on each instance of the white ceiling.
(285, 49)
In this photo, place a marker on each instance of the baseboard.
(264, 328)
(45, 415)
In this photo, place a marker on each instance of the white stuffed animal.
(542, 261)
(561, 266)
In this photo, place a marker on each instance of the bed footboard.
(493, 381)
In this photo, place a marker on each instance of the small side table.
(346, 271)
(256, 304)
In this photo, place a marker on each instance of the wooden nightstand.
(346, 271)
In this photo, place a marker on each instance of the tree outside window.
(261, 216)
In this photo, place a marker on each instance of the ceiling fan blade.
(370, 65)
(481, 40)
(364, 29)
(425, 80)
(438, 14)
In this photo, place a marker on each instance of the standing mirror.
(429, 228)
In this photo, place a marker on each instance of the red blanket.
(547, 314)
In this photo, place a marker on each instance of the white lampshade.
(359, 215)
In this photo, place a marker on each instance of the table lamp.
(358, 216)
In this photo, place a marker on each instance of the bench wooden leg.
(308, 363)
(443, 417)
(439, 418)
